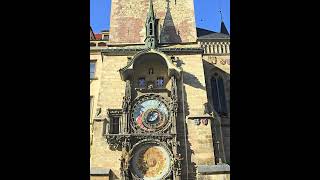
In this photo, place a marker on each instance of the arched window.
(218, 95)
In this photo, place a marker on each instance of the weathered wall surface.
(102, 156)
(176, 21)
(94, 88)
(112, 88)
(110, 96)
(194, 84)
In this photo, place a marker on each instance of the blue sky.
(206, 11)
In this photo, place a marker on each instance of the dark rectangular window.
(114, 125)
(92, 69)
(160, 82)
(150, 28)
(106, 37)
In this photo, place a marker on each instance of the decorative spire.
(151, 12)
(223, 28)
(221, 15)
(151, 40)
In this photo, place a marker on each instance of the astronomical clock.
(150, 114)
(147, 134)
(150, 146)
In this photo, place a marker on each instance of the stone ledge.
(213, 169)
(99, 171)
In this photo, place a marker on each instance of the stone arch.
(149, 56)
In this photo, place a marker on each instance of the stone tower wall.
(176, 22)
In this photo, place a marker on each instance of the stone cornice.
(132, 51)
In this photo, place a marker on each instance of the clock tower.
(153, 119)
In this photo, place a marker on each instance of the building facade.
(159, 94)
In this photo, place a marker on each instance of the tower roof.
(223, 28)
(151, 11)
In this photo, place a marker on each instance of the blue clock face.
(150, 115)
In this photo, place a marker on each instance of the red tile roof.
(98, 36)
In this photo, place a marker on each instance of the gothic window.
(142, 82)
(92, 44)
(160, 82)
(150, 29)
(218, 95)
(114, 125)
(92, 69)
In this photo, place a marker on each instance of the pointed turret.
(151, 11)
(223, 28)
(151, 36)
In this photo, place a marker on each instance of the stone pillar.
(222, 48)
(211, 48)
(207, 48)
(227, 48)
(124, 122)
(215, 48)
(203, 47)
(218, 47)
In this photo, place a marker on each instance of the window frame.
(104, 37)
(157, 82)
(145, 84)
(112, 125)
(218, 94)
(95, 69)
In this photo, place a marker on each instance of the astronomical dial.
(150, 114)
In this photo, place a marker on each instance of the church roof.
(207, 34)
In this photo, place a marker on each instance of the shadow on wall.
(192, 171)
(186, 105)
(188, 167)
(168, 32)
(192, 80)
